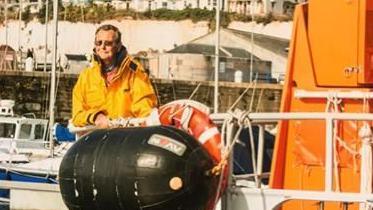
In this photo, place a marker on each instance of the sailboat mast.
(53, 75)
(251, 75)
(19, 25)
(6, 24)
(19, 32)
(217, 46)
(46, 34)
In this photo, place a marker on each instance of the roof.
(7, 48)
(274, 44)
(209, 50)
(205, 44)
(76, 57)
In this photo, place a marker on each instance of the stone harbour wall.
(30, 91)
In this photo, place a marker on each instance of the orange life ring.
(193, 117)
(184, 114)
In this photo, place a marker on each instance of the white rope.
(365, 134)
(335, 102)
(253, 152)
(223, 150)
(345, 146)
(195, 91)
(240, 97)
(333, 106)
(185, 118)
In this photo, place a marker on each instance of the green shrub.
(26, 15)
(240, 17)
(95, 14)
(265, 19)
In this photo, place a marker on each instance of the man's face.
(105, 45)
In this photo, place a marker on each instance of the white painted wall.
(77, 38)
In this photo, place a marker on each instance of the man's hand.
(153, 118)
(102, 121)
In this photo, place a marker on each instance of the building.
(262, 7)
(8, 58)
(76, 2)
(120, 5)
(247, 7)
(197, 62)
(33, 5)
(265, 47)
(265, 58)
(74, 63)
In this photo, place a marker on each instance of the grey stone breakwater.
(30, 91)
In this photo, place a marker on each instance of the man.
(114, 86)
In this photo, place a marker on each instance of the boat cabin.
(20, 131)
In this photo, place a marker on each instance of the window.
(222, 67)
(7, 130)
(39, 131)
(164, 4)
(25, 131)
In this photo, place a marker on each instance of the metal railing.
(275, 197)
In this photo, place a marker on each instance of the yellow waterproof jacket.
(129, 95)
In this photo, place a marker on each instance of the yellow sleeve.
(144, 98)
(81, 115)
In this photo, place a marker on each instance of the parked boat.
(24, 148)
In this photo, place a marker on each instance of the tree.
(26, 15)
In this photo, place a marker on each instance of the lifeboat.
(329, 71)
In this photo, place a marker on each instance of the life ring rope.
(185, 118)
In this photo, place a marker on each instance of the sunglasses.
(99, 43)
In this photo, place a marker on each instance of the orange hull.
(331, 50)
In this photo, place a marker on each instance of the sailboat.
(24, 151)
